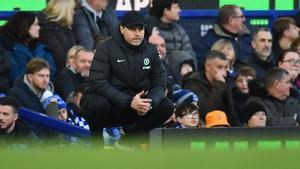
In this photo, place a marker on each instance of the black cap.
(133, 18)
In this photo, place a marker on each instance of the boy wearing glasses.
(187, 116)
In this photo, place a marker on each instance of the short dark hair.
(214, 54)
(11, 101)
(280, 25)
(295, 44)
(182, 109)
(35, 65)
(17, 27)
(158, 6)
(284, 52)
(274, 74)
(225, 12)
(260, 29)
(246, 71)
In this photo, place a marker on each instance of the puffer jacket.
(178, 43)
(119, 71)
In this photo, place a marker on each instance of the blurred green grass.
(92, 157)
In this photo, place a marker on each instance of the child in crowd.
(180, 96)
(216, 119)
(63, 113)
(187, 116)
(255, 115)
(240, 92)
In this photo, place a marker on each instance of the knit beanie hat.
(252, 108)
(181, 96)
(216, 118)
(60, 102)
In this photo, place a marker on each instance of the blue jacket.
(21, 55)
(242, 46)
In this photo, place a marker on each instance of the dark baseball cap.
(133, 18)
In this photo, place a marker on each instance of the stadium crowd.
(77, 62)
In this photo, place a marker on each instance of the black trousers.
(101, 112)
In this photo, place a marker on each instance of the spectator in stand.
(240, 92)
(163, 16)
(14, 131)
(93, 18)
(280, 108)
(285, 31)
(32, 86)
(71, 54)
(255, 116)
(289, 60)
(72, 76)
(160, 45)
(262, 58)
(216, 119)
(56, 29)
(230, 26)
(225, 46)
(5, 69)
(20, 36)
(210, 86)
(187, 116)
(30, 89)
(296, 45)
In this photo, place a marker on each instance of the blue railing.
(44, 121)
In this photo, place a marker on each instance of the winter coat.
(5, 69)
(217, 97)
(58, 40)
(66, 82)
(119, 71)
(178, 43)
(279, 112)
(242, 45)
(260, 66)
(85, 28)
(22, 136)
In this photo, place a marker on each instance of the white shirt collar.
(88, 7)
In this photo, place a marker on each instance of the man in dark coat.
(280, 108)
(94, 18)
(211, 88)
(163, 17)
(12, 130)
(262, 58)
(74, 75)
(127, 82)
(30, 89)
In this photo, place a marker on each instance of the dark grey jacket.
(178, 43)
(119, 71)
(279, 112)
(85, 28)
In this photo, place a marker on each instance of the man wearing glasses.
(230, 25)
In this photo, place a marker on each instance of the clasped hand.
(141, 105)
